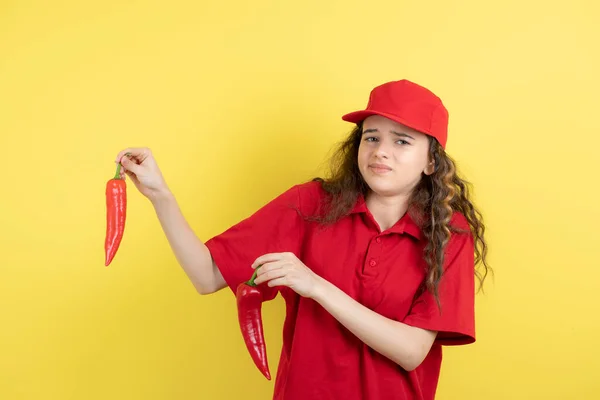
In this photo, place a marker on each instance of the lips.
(379, 167)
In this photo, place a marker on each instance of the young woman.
(376, 263)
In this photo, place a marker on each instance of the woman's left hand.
(285, 269)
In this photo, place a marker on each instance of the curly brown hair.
(436, 196)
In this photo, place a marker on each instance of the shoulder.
(305, 191)
(310, 198)
(459, 221)
(311, 191)
(460, 246)
(304, 197)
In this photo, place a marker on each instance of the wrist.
(321, 291)
(161, 196)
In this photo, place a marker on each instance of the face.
(392, 157)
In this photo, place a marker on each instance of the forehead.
(385, 125)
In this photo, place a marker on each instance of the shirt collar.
(405, 224)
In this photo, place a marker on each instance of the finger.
(283, 281)
(122, 153)
(139, 153)
(131, 166)
(269, 266)
(132, 176)
(266, 258)
(133, 152)
(270, 275)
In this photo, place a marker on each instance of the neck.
(386, 210)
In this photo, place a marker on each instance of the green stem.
(251, 281)
(118, 174)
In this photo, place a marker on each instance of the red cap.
(407, 103)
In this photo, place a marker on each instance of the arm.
(404, 344)
(191, 253)
(407, 343)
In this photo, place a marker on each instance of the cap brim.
(358, 116)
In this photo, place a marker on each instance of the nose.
(382, 150)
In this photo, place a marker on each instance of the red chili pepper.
(249, 302)
(116, 207)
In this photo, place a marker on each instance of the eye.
(368, 139)
(401, 141)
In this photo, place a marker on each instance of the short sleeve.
(275, 227)
(455, 320)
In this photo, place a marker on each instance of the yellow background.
(240, 100)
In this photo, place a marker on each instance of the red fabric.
(320, 358)
(410, 104)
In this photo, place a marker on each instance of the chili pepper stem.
(251, 281)
(118, 174)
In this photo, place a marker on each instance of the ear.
(430, 168)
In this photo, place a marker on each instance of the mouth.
(379, 168)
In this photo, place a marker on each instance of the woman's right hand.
(140, 165)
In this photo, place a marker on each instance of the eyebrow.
(401, 134)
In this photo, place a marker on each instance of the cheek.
(363, 155)
(412, 162)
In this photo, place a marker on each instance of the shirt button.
(373, 263)
(378, 240)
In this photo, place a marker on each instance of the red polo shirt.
(320, 358)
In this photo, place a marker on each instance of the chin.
(383, 189)
(382, 185)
